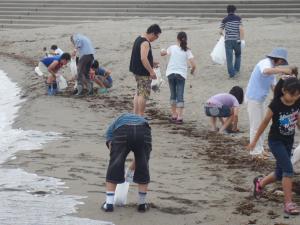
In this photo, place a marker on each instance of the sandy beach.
(197, 177)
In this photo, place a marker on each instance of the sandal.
(173, 119)
(257, 190)
(291, 208)
(180, 121)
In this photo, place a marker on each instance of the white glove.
(243, 44)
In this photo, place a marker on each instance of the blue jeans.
(230, 46)
(282, 152)
(176, 84)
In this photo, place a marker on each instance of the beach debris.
(246, 208)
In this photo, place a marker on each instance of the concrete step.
(145, 5)
(113, 9)
(14, 13)
(148, 2)
(54, 18)
(146, 10)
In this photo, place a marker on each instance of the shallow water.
(28, 199)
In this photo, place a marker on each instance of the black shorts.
(135, 138)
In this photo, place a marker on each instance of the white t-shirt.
(178, 60)
(58, 51)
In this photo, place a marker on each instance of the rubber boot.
(90, 89)
(79, 91)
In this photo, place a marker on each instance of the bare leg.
(179, 113)
(227, 122)
(173, 109)
(268, 180)
(213, 123)
(135, 104)
(287, 189)
(141, 102)
(143, 187)
(111, 187)
(99, 82)
(221, 119)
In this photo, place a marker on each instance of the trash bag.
(296, 159)
(38, 71)
(156, 84)
(218, 54)
(121, 194)
(61, 83)
(73, 67)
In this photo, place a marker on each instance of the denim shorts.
(135, 138)
(282, 152)
(215, 111)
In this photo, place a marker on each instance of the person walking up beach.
(129, 132)
(263, 79)
(141, 65)
(284, 112)
(234, 40)
(180, 56)
(86, 51)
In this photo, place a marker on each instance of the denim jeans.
(176, 84)
(230, 46)
(282, 152)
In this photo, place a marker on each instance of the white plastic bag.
(61, 82)
(156, 84)
(218, 54)
(73, 67)
(296, 159)
(38, 71)
(121, 194)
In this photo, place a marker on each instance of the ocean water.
(28, 199)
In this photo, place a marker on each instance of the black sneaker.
(143, 208)
(107, 207)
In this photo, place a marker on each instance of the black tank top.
(136, 65)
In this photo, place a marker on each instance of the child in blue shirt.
(101, 76)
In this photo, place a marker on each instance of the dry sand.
(198, 177)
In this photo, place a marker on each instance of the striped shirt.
(124, 119)
(231, 24)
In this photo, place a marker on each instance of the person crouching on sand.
(129, 132)
(222, 106)
(49, 66)
(284, 112)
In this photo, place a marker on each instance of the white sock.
(110, 195)
(142, 197)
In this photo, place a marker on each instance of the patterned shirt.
(124, 119)
(231, 24)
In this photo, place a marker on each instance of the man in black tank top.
(141, 65)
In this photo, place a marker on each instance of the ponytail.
(182, 38)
